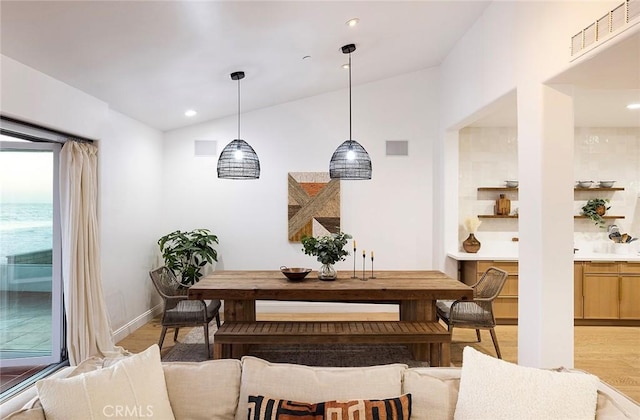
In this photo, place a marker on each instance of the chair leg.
(218, 319)
(495, 342)
(164, 331)
(478, 335)
(175, 334)
(206, 340)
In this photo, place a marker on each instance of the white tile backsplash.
(489, 155)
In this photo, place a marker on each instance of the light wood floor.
(611, 353)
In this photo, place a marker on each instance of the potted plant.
(186, 253)
(595, 209)
(328, 249)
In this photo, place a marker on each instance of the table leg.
(421, 310)
(239, 310)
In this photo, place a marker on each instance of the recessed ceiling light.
(190, 113)
(634, 106)
(352, 22)
(345, 66)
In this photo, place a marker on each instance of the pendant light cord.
(239, 109)
(350, 137)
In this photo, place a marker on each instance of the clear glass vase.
(327, 272)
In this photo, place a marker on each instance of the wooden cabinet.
(578, 306)
(611, 290)
(630, 290)
(603, 291)
(600, 293)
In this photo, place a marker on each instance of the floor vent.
(617, 19)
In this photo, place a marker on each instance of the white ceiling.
(154, 60)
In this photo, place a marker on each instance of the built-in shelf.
(575, 189)
(515, 216)
(604, 217)
(600, 189)
(497, 189)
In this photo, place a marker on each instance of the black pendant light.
(350, 160)
(238, 160)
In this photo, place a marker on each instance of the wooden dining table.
(415, 291)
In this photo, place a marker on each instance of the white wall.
(130, 163)
(391, 214)
(489, 155)
(519, 45)
(32, 96)
(130, 159)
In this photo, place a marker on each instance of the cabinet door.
(505, 308)
(601, 294)
(630, 297)
(577, 291)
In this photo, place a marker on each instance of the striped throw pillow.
(263, 408)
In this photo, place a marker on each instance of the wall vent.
(397, 147)
(617, 19)
(205, 147)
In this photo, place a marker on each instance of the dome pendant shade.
(350, 161)
(238, 160)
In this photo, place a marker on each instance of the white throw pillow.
(203, 390)
(316, 384)
(133, 388)
(491, 388)
(434, 392)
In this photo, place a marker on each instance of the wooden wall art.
(314, 205)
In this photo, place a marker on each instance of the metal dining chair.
(476, 313)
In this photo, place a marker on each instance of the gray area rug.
(191, 349)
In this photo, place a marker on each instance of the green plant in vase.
(186, 253)
(595, 209)
(328, 250)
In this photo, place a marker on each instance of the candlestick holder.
(354, 263)
(372, 276)
(364, 259)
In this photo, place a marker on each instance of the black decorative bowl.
(295, 273)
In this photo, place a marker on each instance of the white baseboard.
(135, 323)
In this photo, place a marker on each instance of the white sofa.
(219, 389)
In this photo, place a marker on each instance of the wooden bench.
(237, 333)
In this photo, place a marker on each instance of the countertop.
(512, 255)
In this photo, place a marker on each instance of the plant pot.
(327, 272)
(601, 210)
(471, 244)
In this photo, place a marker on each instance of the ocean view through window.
(31, 316)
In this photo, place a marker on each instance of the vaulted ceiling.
(153, 60)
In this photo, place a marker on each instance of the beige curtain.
(88, 328)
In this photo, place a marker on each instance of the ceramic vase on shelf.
(327, 272)
(471, 244)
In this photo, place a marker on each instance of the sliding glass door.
(31, 313)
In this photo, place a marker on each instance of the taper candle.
(364, 253)
(354, 260)
(372, 275)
